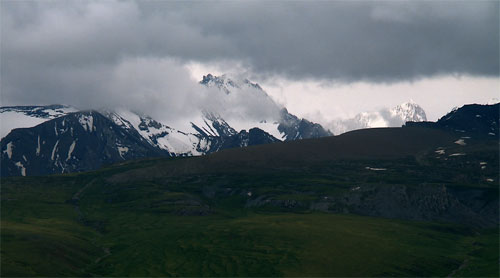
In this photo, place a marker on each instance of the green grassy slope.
(211, 216)
(40, 231)
(148, 242)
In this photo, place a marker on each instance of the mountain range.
(423, 198)
(38, 140)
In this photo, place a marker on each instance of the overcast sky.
(322, 60)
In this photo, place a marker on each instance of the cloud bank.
(106, 52)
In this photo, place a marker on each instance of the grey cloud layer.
(65, 51)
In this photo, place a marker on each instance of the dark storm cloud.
(66, 51)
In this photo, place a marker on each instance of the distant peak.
(226, 83)
(213, 78)
(207, 78)
(409, 111)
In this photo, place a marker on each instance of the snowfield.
(22, 117)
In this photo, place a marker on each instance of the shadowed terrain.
(376, 202)
(421, 200)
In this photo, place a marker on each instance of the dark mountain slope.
(85, 141)
(473, 118)
(418, 138)
(75, 142)
(367, 144)
(295, 128)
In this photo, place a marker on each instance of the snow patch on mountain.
(54, 150)
(270, 127)
(157, 134)
(21, 166)
(87, 122)
(180, 143)
(38, 148)
(9, 150)
(10, 120)
(12, 117)
(460, 142)
(70, 150)
(122, 150)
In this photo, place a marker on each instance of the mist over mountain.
(61, 139)
(393, 117)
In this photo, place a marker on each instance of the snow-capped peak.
(222, 82)
(226, 83)
(409, 112)
(394, 117)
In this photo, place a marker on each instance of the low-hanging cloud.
(84, 52)
(161, 88)
(158, 87)
(384, 117)
(164, 89)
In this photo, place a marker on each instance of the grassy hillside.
(311, 208)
